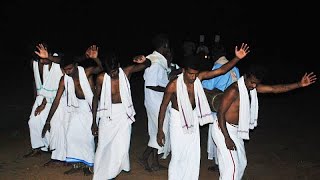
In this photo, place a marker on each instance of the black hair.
(160, 40)
(257, 70)
(66, 60)
(110, 61)
(193, 62)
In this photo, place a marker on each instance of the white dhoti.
(112, 155)
(59, 124)
(231, 163)
(185, 149)
(36, 124)
(211, 145)
(80, 141)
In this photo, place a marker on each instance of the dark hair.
(257, 70)
(160, 40)
(110, 61)
(218, 51)
(193, 62)
(66, 60)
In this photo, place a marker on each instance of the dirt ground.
(284, 146)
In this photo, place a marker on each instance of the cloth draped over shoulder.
(51, 78)
(248, 112)
(185, 108)
(72, 100)
(156, 57)
(104, 108)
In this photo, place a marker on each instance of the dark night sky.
(270, 29)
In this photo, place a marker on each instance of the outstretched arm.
(141, 63)
(43, 54)
(163, 107)
(306, 80)
(239, 54)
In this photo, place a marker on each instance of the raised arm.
(54, 106)
(96, 97)
(141, 63)
(43, 53)
(169, 91)
(92, 53)
(306, 80)
(239, 54)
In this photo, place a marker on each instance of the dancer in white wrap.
(113, 115)
(156, 79)
(189, 109)
(47, 74)
(59, 121)
(221, 83)
(79, 95)
(238, 113)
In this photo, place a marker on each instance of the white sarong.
(59, 124)
(48, 90)
(185, 149)
(112, 155)
(231, 163)
(156, 75)
(80, 141)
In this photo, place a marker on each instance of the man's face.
(251, 82)
(190, 75)
(69, 69)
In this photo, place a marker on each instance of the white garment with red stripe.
(231, 163)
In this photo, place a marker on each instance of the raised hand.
(139, 59)
(243, 51)
(92, 52)
(42, 51)
(308, 79)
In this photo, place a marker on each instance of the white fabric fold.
(248, 112)
(51, 78)
(156, 57)
(72, 100)
(105, 108)
(185, 109)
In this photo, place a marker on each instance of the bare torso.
(115, 91)
(232, 114)
(190, 89)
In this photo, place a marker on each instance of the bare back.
(230, 104)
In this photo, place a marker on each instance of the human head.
(68, 64)
(161, 44)
(254, 75)
(192, 68)
(111, 64)
(218, 51)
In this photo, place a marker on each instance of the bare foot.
(33, 153)
(87, 171)
(53, 163)
(213, 168)
(158, 167)
(144, 164)
(73, 170)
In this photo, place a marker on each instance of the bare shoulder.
(171, 87)
(232, 89)
(100, 77)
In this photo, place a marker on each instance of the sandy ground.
(284, 146)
